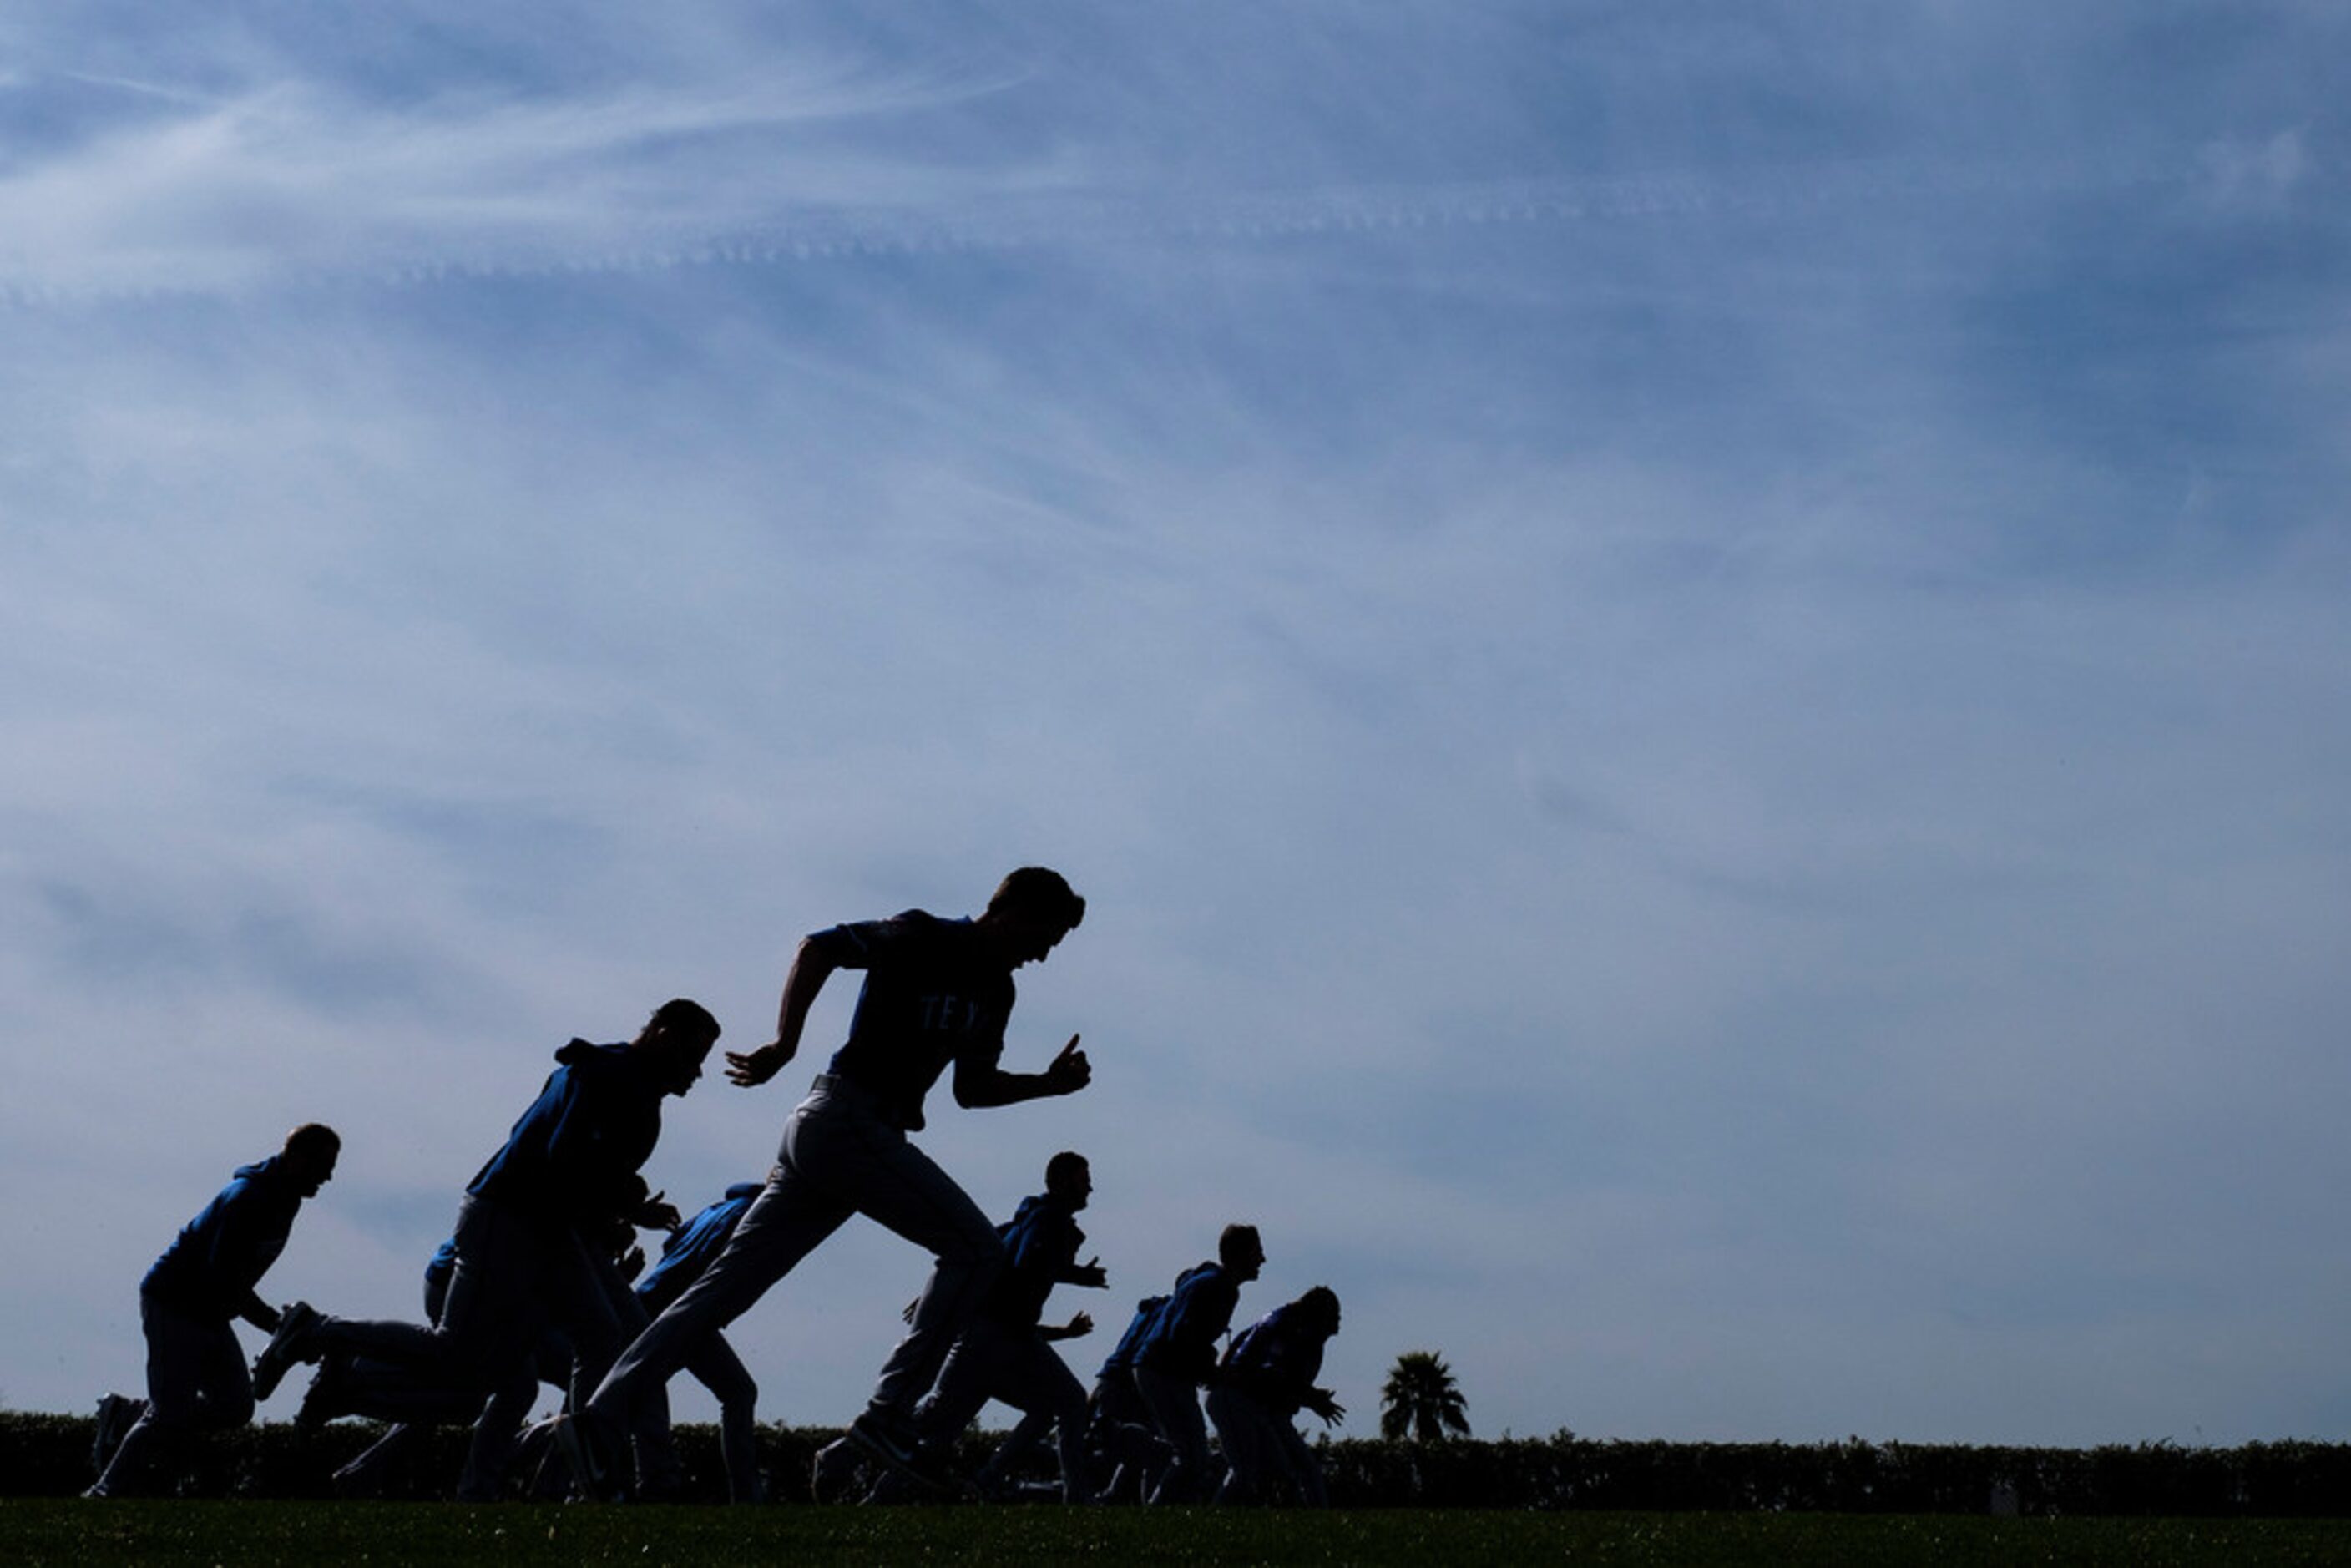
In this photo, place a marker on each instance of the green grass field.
(77, 1534)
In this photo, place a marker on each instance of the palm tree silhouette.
(1420, 1399)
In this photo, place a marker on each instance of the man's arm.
(979, 1083)
(811, 965)
(1078, 1327)
(1210, 1317)
(657, 1213)
(245, 1245)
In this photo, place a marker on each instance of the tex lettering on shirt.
(952, 1014)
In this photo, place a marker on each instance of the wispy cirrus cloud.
(287, 185)
(226, 163)
(290, 183)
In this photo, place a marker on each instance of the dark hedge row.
(2258, 1480)
(48, 1456)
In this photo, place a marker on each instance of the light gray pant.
(1265, 1454)
(717, 1368)
(196, 1381)
(990, 1360)
(841, 1156)
(1175, 1406)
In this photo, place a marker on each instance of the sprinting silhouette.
(1266, 1377)
(1122, 1444)
(936, 992)
(1121, 1424)
(196, 1378)
(1005, 1352)
(346, 1386)
(532, 1242)
(1178, 1354)
(689, 1251)
(1421, 1400)
(385, 1391)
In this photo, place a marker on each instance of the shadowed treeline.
(2258, 1479)
(43, 1455)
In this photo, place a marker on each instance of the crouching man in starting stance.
(196, 1379)
(1266, 1378)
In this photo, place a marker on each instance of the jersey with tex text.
(935, 994)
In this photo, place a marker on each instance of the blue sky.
(1694, 655)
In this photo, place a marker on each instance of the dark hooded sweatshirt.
(571, 1161)
(211, 1269)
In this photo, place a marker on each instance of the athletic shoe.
(548, 1474)
(284, 1349)
(117, 1414)
(833, 1471)
(889, 1439)
(323, 1400)
(891, 1442)
(1002, 1491)
(581, 1451)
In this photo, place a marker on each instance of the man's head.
(1069, 1179)
(1320, 1309)
(1240, 1251)
(677, 1038)
(309, 1155)
(1030, 912)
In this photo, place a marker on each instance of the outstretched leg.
(784, 1224)
(898, 1185)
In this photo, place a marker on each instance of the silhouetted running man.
(1006, 1352)
(1178, 1355)
(345, 1386)
(686, 1256)
(1119, 1423)
(1267, 1376)
(936, 992)
(530, 1236)
(388, 1392)
(196, 1378)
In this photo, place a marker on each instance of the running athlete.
(1266, 1378)
(716, 1366)
(937, 993)
(531, 1249)
(1006, 1352)
(1178, 1355)
(1121, 1426)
